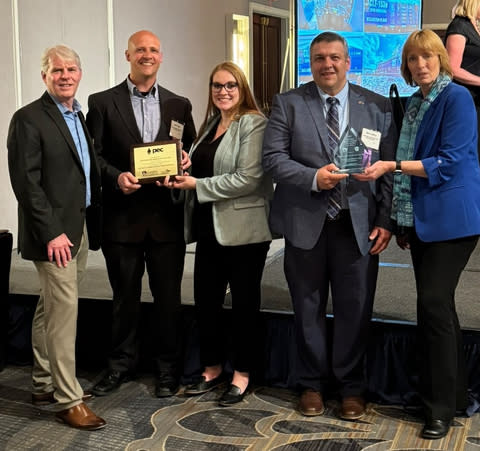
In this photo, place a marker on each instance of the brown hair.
(424, 40)
(246, 101)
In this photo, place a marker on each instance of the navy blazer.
(295, 146)
(446, 205)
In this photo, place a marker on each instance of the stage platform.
(391, 364)
(395, 297)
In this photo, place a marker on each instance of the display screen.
(375, 31)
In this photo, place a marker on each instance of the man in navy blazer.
(337, 250)
(142, 225)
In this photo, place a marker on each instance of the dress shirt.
(78, 135)
(146, 107)
(343, 110)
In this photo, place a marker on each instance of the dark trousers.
(126, 265)
(443, 375)
(5, 263)
(334, 262)
(241, 267)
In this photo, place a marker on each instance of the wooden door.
(267, 69)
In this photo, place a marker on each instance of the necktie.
(335, 196)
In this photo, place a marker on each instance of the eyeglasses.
(229, 87)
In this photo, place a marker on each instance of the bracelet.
(398, 168)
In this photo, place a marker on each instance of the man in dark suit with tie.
(56, 179)
(334, 225)
(142, 225)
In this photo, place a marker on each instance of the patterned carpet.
(265, 420)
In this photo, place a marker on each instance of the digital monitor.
(375, 31)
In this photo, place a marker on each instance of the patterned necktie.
(335, 196)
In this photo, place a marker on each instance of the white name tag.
(176, 130)
(371, 138)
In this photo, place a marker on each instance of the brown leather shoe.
(353, 408)
(43, 399)
(311, 403)
(80, 417)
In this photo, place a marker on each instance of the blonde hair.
(246, 102)
(424, 40)
(467, 8)
(64, 52)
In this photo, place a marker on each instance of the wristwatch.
(398, 167)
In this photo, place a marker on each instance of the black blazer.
(111, 121)
(48, 180)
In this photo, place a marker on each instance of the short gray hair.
(64, 52)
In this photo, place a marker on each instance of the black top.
(471, 55)
(202, 166)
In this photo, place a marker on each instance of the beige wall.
(437, 12)
(193, 35)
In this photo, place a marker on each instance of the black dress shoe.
(232, 396)
(111, 382)
(166, 385)
(202, 386)
(435, 429)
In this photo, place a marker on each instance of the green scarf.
(402, 208)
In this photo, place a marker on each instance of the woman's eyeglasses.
(229, 87)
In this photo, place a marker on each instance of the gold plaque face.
(154, 161)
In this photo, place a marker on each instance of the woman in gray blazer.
(226, 213)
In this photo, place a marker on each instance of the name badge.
(371, 138)
(176, 129)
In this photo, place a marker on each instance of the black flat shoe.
(166, 385)
(232, 396)
(435, 429)
(202, 386)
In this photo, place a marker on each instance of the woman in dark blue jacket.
(436, 200)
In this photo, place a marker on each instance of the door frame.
(287, 33)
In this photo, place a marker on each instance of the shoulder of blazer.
(364, 93)
(118, 90)
(247, 122)
(165, 94)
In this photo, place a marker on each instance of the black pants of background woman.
(240, 267)
(443, 374)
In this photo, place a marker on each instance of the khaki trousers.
(54, 329)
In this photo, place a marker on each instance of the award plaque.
(154, 161)
(352, 156)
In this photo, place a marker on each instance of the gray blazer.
(295, 146)
(239, 189)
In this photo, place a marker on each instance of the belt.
(342, 214)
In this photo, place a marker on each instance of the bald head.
(145, 56)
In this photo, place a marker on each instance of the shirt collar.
(135, 92)
(76, 107)
(342, 96)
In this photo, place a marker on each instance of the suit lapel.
(52, 110)
(314, 104)
(123, 104)
(164, 130)
(425, 127)
(357, 105)
(94, 171)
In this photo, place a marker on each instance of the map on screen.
(375, 31)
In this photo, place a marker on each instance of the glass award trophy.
(352, 156)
